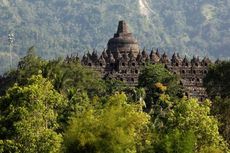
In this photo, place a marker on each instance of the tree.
(186, 116)
(153, 75)
(217, 84)
(68, 78)
(175, 141)
(29, 65)
(114, 85)
(29, 117)
(217, 80)
(220, 108)
(109, 126)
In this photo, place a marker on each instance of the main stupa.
(123, 41)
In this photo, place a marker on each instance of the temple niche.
(122, 60)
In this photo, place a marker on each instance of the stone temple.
(122, 60)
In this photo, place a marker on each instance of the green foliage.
(211, 150)
(218, 84)
(72, 77)
(57, 28)
(217, 80)
(113, 86)
(176, 141)
(220, 108)
(175, 118)
(155, 78)
(66, 77)
(29, 65)
(187, 115)
(115, 126)
(29, 116)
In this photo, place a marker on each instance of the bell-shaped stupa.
(123, 41)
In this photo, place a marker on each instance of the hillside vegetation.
(60, 27)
